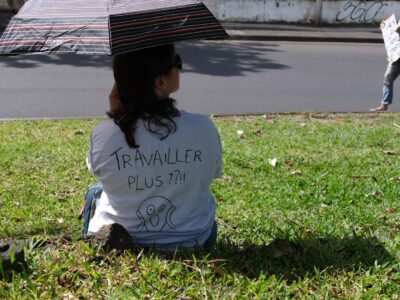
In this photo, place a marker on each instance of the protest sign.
(391, 38)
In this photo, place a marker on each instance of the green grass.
(323, 223)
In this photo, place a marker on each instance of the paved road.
(218, 78)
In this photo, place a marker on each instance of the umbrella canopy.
(106, 26)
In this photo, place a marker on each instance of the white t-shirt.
(160, 191)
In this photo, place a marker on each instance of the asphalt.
(286, 32)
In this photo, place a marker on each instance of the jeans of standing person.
(392, 72)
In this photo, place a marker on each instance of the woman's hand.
(113, 98)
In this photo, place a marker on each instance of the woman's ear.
(159, 86)
(159, 82)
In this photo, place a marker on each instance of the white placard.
(391, 38)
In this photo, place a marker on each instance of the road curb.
(305, 39)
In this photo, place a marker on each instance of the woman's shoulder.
(107, 127)
(195, 119)
(196, 125)
(105, 124)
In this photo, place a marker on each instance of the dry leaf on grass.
(296, 172)
(272, 162)
(374, 194)
(218, 271)
(240, 133)
(69, 296)
(257, 131)
(389, 152)
(289, 163)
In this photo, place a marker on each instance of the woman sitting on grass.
(155, 163)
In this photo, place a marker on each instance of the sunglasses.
(177, 63)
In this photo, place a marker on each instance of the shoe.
(380, 108)
(113, 236)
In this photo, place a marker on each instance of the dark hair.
(135, 74)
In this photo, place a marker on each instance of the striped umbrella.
(105, 26)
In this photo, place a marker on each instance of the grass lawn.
(323, 222)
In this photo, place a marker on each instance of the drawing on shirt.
(155, 213)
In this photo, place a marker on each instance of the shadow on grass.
(42, 232)
(293, 259)
(286, 259)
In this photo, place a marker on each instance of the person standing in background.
(391, 74)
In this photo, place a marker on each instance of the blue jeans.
(212, 239)
(391, 74)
